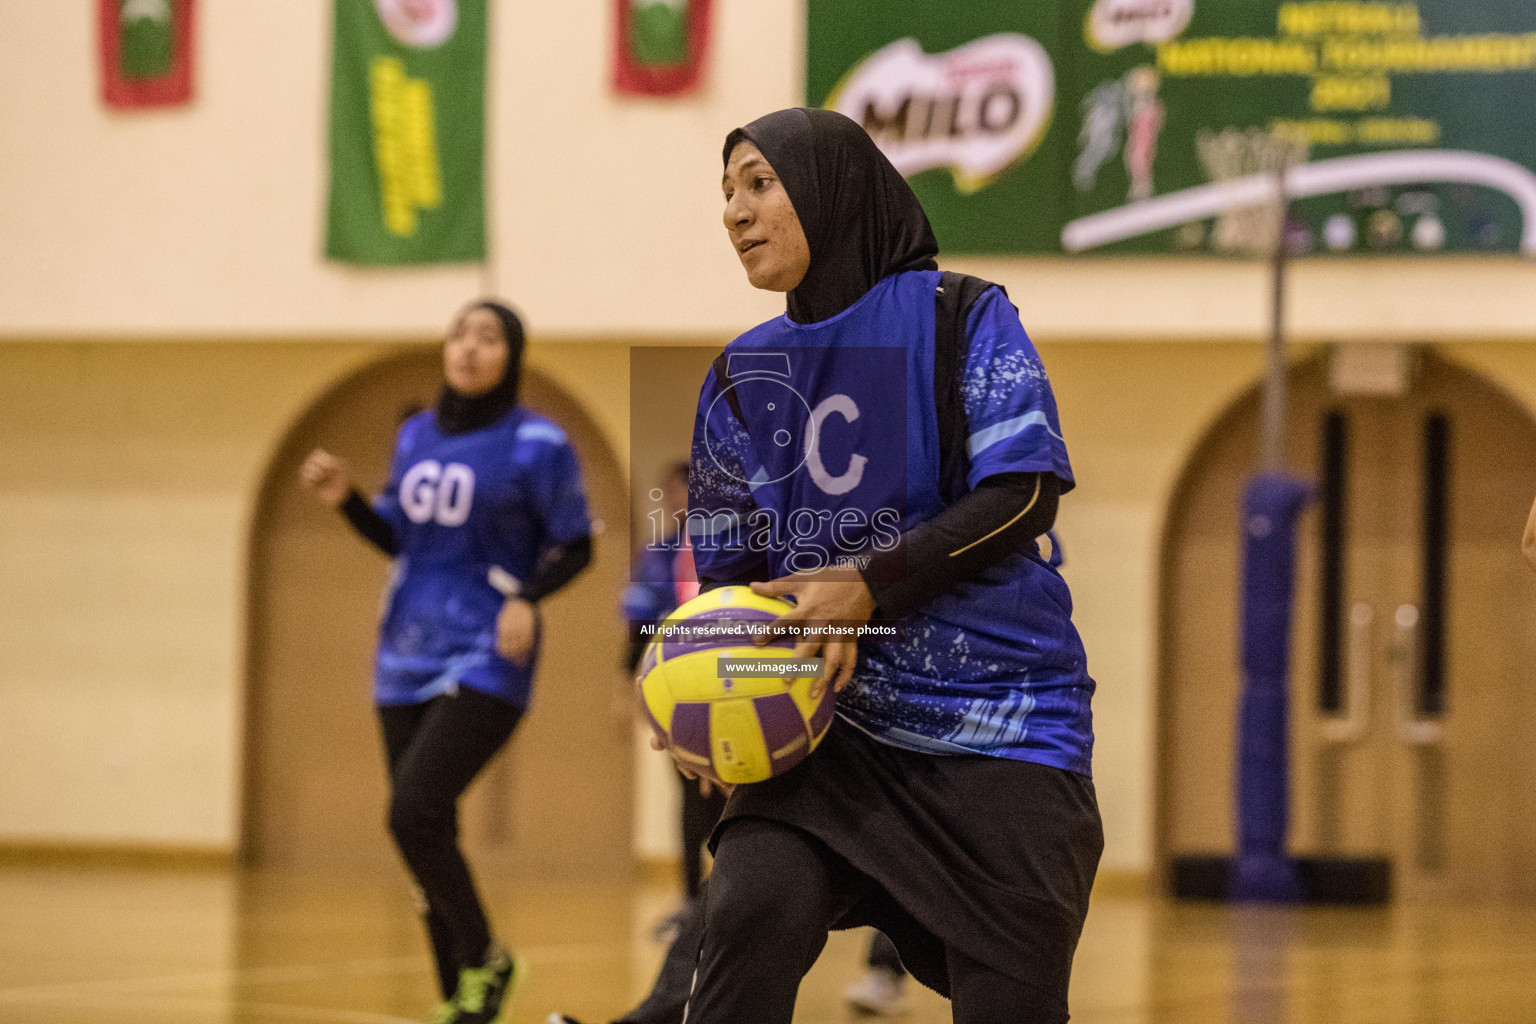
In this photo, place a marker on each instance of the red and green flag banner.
(659, 46)
(146, 52)
(407, 132)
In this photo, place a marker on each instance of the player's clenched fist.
(516, 629)
(327, 475)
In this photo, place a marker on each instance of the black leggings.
(700, 813)
(774, 893)
(435, 750)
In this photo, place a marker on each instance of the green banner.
(1156, 126)
(407, 132)
(962, 97)
(148, 40)
(659, 32)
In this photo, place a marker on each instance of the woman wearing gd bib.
(484, 514)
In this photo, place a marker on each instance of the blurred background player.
(663, 578)
(882, 989)
(484, 514)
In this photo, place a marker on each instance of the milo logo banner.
(407, 132)
(1156, 126)
(963, 97)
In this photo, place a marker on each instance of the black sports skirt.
(990, 856)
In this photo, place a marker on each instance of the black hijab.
(460, 414)
(860, 217)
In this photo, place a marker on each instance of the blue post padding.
(1271, 505)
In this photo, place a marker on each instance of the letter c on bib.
(848, 410)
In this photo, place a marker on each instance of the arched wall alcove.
(1371, 789)
(559, 798)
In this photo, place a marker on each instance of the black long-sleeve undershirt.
(1002, 516)
(559, 566)
(373, 528)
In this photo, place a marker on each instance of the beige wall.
(128, 477)
(129, 471)
(1131, 414)
(207, 221)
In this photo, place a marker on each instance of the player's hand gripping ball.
(736, 729)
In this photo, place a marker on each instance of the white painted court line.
(71, 991)
(286, 1011)
(219, 976)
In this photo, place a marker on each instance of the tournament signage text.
(1156, 125)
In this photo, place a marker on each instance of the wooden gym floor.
(196, 946)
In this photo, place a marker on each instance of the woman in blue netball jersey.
(951, 804)
(484, 514)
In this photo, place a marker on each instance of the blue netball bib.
(818, 443)
(465, 507)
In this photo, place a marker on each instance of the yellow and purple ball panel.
(733, 729)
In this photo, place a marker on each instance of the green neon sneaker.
(444, 1013)
(486, 991)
